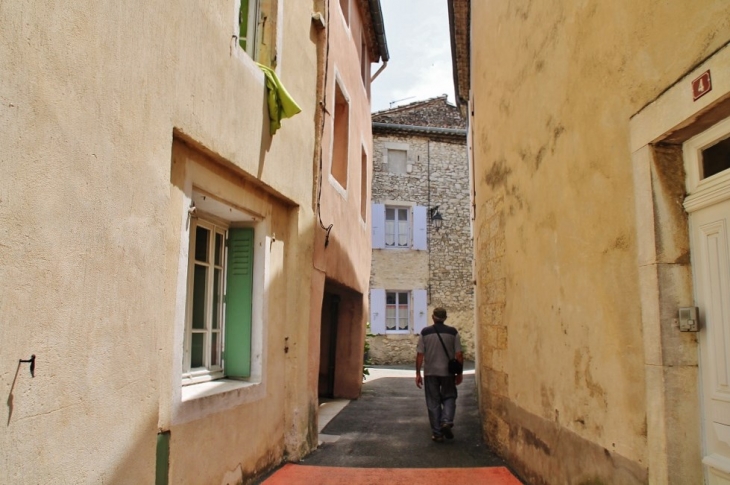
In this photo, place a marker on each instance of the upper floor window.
(341, 137)
(365, 63)
(257, 30)
(364, 185)
(399, 226)
(395, 158)
(397, 161)
(247, 22)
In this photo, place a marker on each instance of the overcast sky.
(417, 32)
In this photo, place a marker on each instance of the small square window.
(716, 158)
(397, 161)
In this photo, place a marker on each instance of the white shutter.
(419, 228)
(377, 311)
(378, 220)
(420, 311)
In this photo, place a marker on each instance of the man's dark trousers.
(440, 401)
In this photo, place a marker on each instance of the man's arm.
(419, 363)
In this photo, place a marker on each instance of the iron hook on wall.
(31, 361)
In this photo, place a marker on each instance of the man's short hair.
(440, 313)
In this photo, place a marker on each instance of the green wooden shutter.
(239, 289)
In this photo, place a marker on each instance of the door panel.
(711, 266)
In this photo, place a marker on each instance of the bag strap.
(442, 342)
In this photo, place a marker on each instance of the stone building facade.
(420, 171)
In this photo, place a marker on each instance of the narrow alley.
(384, 437)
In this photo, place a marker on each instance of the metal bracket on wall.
(30, 361)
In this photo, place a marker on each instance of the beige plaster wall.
(90, 95)
(559, 320)
(342, 255)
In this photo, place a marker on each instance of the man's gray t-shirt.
(436, 363)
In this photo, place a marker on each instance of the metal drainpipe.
(377, 73)
(428, 215)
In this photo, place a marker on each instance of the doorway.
(328, 345)
(707, 164)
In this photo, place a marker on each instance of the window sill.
(212, 388)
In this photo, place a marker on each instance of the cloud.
(417, 33)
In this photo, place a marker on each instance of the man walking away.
(440, 384)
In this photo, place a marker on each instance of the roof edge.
(455, 132)
(376, 12)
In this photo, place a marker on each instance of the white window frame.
(409, 311)
(396, 230)
(209, 371)
(704, 191)
(253, 25)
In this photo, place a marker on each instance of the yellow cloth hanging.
(281, 104)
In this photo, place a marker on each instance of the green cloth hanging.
(281, 104)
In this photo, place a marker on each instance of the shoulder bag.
(455, 367)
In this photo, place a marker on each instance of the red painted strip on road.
(293, 474)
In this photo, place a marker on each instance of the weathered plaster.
(559, 229)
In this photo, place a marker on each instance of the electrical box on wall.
(688, 321)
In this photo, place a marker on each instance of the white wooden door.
(710, 228)
(708, 205)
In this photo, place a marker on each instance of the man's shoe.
(446, 431)
(437, 438)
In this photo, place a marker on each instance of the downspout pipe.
(377, 73)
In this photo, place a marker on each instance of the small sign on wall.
(702, 85)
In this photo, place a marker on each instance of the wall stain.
(498, 174)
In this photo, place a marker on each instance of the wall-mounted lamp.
(436, 218)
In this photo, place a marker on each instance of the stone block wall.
(439, 176)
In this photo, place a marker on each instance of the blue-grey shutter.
(420, 311)
(419, 228)
(377, 311)
(378, 220)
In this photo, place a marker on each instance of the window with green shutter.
(218, 325)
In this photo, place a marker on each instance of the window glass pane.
(196, 350)
(403, 319)
(716, 158)
(200, 280)
(201, 244)
(243, 24)
(390, 298)
(403, 311)
(390, 319)
(402, 233)
(218, 249)
(217, 287)
(389, 214)
(214, 352)
(389, 233)
(402, 214)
